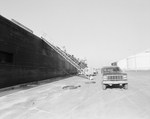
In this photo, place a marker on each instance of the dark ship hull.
(25, 57)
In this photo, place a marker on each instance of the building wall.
(139, 61)
(122, 64)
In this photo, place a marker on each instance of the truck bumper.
(114, 82)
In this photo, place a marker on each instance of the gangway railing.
(74, 63)
(64, 55)
(67, 57)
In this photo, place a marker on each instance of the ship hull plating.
(25, 57)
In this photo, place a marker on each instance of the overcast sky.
(103, 31)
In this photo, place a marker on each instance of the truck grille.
(115, 77)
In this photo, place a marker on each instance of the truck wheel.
(126, 86)
(104, 87)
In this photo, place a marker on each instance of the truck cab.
(113, 75)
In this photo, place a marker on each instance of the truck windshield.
(113, 69)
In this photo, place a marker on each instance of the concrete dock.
(87, 100)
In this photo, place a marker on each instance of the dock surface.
(87, 100)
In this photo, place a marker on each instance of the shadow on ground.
(83, 76)
(26, 86)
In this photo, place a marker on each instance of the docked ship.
(25, 57)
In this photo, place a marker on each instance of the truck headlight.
(124, 76)
(104, 77)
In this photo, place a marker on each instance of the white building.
(139, 61)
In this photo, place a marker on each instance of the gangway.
(63, 55)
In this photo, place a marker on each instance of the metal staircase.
(64, 55)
